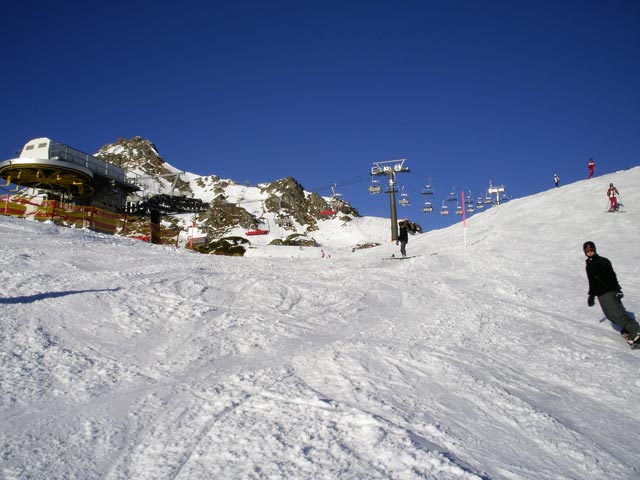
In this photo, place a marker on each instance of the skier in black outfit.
(603, 283)
(403, 236)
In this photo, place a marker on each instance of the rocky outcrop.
(141, 157)
(286, 198)
(221, 217)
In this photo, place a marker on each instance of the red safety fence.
(71, 215)
(66, 214)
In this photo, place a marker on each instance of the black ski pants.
(403, 247)
(614, 311)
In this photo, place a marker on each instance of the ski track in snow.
(126, 360)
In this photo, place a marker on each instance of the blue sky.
(466, 91)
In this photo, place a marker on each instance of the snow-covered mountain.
(476, 359)
(281, 212)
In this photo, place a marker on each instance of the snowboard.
(628, 342)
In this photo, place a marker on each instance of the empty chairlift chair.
(404, 199)
(261, 229)
(375, 187)
(468, 200)
(427, 189)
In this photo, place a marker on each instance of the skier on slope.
(556, 180)
(613, 193)
(403, 236)
(592, 166)
(603, 283)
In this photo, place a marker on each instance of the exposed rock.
(142, 157)
(222, 217)
(286, 198)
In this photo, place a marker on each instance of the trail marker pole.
(464, 221)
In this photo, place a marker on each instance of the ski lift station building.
(88, 180)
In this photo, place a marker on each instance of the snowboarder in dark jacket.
(403, 236)
(603, 283)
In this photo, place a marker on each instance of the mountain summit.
(278, 210)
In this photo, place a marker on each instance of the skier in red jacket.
(613, 193)
(592, 166)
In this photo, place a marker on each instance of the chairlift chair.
(337, 204)
(404, 199)
(282, 220)
(375, 187)
(469, 199)
(458, 209)
(452, 197)
(427, 189)
(262, 229)
(427, 208)
(444, 209)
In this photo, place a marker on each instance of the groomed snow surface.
(125, 360)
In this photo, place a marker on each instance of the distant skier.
(556, 180)
(592, 167)
(612, 193)
(403, 236)
(603, 284)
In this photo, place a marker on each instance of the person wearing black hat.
(603, 283)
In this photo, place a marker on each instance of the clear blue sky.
(467, 91)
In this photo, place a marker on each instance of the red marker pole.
(464, 221)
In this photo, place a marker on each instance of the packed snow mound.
(476, 359)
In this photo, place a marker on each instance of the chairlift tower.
(390, 168)
(498, 191)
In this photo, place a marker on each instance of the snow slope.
(120, 359)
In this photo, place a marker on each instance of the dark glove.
(591, 301)
(619, 295)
